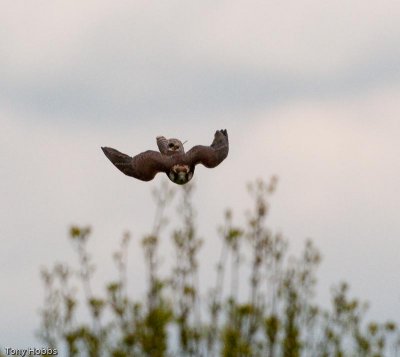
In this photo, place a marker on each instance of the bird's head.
(180, 174)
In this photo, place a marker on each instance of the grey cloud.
(138, 61)
(186, 90)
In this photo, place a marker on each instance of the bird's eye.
(171, 145)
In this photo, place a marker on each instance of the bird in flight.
(171, 159)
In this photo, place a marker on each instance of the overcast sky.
(308, 91)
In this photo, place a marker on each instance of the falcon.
(171, 159)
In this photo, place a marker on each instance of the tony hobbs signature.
(30, 351)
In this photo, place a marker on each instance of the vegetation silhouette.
(272, 314)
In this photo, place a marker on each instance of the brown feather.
(210, 156)
(143, 166)
(162, 144)
(146, 165)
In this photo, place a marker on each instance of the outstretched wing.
(213, 155)
(143, 166)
